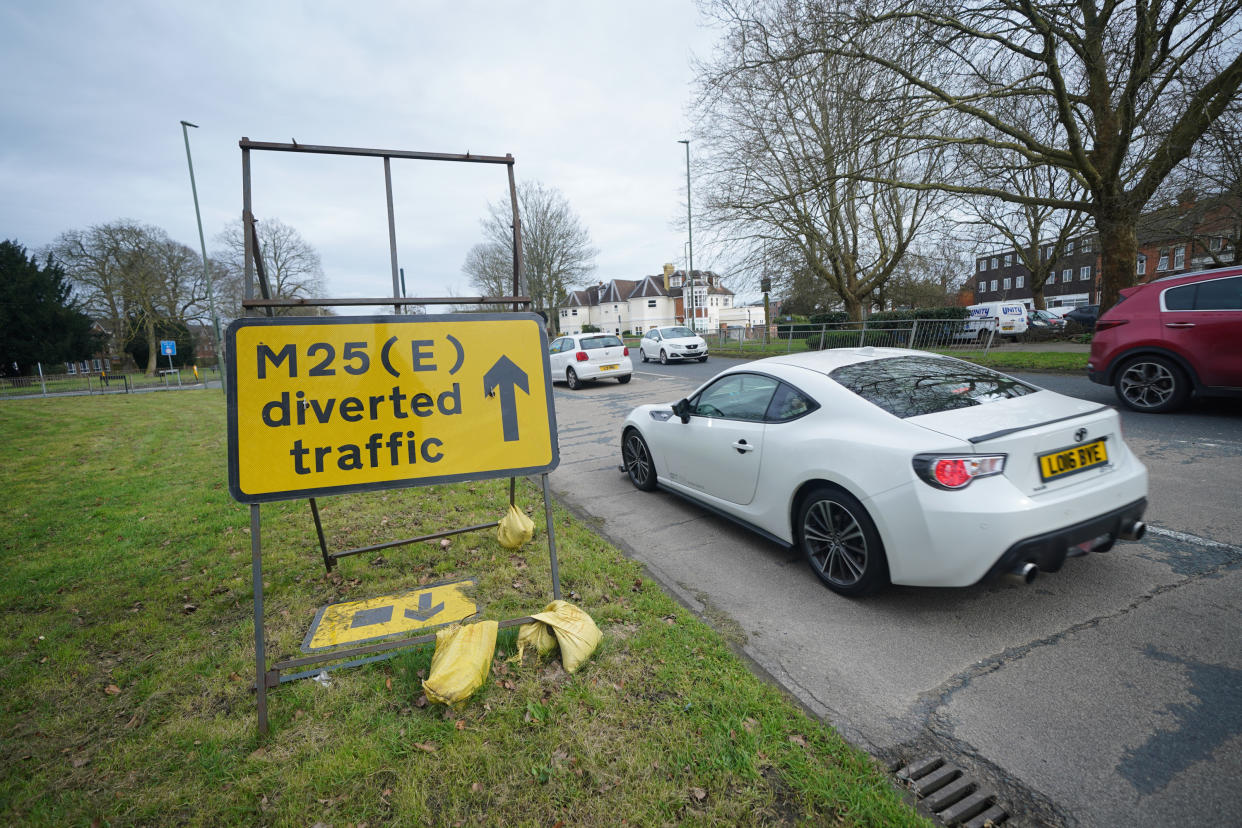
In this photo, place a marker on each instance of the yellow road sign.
(342, 404)
(353, 622)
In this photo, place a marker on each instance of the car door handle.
(1179, 324)
(742, 447)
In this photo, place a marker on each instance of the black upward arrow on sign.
(505, 375)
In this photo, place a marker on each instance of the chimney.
(668, 271)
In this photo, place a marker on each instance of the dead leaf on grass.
(388, 683)
(81, 761)
(749, 725)
(461, 724)
(798, 740)
(112, 690)
(427, 746)
(477, 787)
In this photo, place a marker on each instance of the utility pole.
(690, 309)
(211, 295)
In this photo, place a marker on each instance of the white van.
(1005, 318)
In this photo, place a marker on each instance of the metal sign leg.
(547, 513)
(260, 653)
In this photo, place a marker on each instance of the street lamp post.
(211, 297)
(690, 310)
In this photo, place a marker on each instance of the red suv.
(1169, 337)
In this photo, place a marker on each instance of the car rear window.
(914, 385)
(594, 342)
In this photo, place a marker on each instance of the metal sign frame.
(266, 678)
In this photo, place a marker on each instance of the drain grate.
(949, 793)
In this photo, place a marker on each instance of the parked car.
(887, 465)
(1044, 319)
(1168, 338)
(675, 342)
(1006, 318)
(579, 358)
(1084, 315)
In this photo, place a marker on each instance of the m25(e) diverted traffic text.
(338, 404)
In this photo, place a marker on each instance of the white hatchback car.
(672, 343)
(887, 465)
(579, 358)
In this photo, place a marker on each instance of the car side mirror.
(682, 409)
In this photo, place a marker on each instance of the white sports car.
(887, 465)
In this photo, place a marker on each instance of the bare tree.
(1127, 88)
(789, 145)
(1210, 180)
(133, 276)
(292, 264)
(928, 276)
(556, 248)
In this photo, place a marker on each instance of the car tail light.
(946, 471)
(1105, 324)
(581, 356)
(625, 351)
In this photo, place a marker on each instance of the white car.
(579, 358)
(888, 465)
(672, 343)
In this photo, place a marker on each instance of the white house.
(623, 305)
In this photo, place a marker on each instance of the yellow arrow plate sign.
(332, 405)
(353, 622)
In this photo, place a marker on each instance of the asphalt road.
(1108, 694)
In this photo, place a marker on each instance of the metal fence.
(926, 334)
(81, 384)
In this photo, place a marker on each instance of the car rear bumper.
(1050, 549)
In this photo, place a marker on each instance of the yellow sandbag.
(538, 635)
(575, 632)
(515, 528)
(461, 662)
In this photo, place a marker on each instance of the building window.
(994, 264)
(1052, 278)
(651, 303)
(1008, 259)
(638, 329)
(1007, 283)
(564, 313)
(1018, 281)
(1069, 248)
(1179, 258)
(983, 285)
(575, 311)
(1067, 276)
(1086, 245)
(1163, 264)
(1084, 273)
(1140, 265)
(675, 281)
(1214, 244)
(993, 284)
(983, 265)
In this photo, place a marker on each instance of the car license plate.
(1071, 460)
(608, 367)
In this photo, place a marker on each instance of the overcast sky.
(590, 98)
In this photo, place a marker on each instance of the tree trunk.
(153, 351)
(853, 306)
(1118, 251)
(1037, 298)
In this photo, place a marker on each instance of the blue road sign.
(168, 347)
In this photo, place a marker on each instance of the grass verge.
(129, 654)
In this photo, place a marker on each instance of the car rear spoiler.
(982, 438)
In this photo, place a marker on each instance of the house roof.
(618, 290)
(648, 287)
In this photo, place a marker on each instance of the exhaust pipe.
(1132, 531)
(1022, 574)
